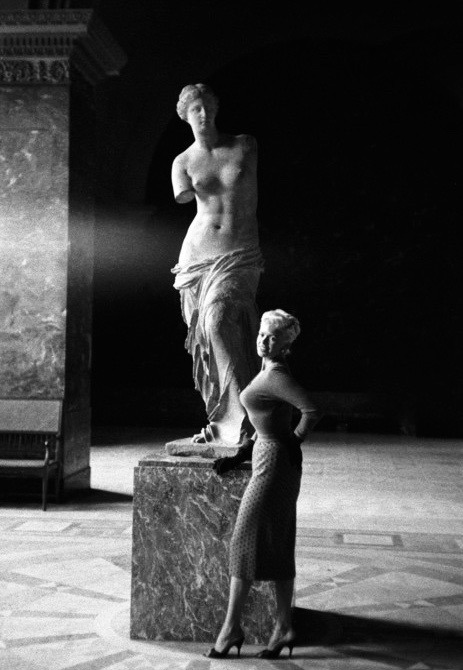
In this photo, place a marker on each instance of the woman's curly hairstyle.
(283, 321)
(190, 93)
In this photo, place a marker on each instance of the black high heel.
(277, 649)
(238, 643)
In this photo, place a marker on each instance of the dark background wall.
(359, 122)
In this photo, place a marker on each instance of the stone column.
(50, 62)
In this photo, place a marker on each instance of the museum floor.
(379, 557)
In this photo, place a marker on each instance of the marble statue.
(219, 264)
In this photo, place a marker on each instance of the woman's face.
(271, 340)
(201, 113)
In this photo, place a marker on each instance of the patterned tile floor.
(379, 557)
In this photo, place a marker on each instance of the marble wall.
(52, 62)
(183, 517)
(46, 256)
(33, 240)
(77, 417)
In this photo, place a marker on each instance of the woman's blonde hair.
(283, 321)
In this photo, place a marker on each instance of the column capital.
(38, 46)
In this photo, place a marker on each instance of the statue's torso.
(225, 185)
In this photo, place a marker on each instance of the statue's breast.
(218, 177)
(207, 182)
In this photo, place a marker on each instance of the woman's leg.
(284, 597)
(231, 629)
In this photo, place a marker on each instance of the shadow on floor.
(97, 497)
(388, 639)
(32, 497)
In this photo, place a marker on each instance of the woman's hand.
(223, 465)
(294, 450)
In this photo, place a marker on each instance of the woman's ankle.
(280, 631)
(230, 632)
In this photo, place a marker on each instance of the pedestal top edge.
(183, 462)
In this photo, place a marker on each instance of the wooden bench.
(30, 442)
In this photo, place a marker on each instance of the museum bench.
(30, 442)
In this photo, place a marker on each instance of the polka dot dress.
(263, 541)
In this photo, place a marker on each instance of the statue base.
(183, 519)
(185, 447)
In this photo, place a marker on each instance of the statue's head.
(192, 92)
(284, 326)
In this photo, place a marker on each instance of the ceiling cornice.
(38, 46)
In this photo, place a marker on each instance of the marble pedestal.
(183, 519)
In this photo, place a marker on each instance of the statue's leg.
(230, 369)
(188, 304)
(189, 307)
(222, 340)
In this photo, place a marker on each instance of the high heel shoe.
(238, 643)
(289, 642)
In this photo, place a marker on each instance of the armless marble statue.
(220, 263)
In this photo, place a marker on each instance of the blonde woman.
(263, 541)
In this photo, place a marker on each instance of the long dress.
(263, 541)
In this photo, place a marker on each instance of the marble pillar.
(51, 61)
(183, 518)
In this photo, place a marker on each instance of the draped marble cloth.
(218, 305)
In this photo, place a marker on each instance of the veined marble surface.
(33, 240)
(183, 518)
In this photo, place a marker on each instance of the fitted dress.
(263, 540)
